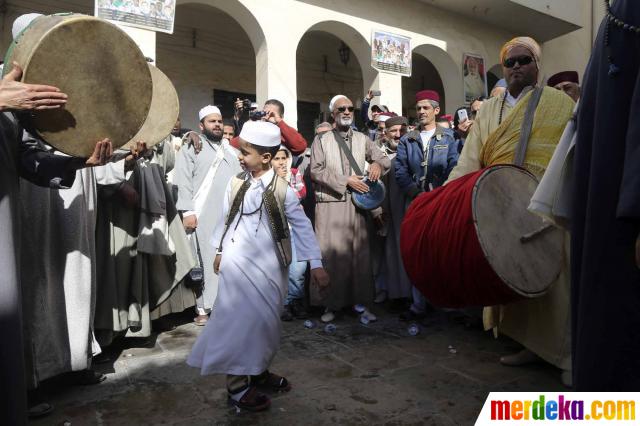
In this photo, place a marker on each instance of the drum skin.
(163, 114)
(461, 244)
(98, 66)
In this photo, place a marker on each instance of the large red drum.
(474, 243)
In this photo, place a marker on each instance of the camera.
(246, 104)
(257, 115)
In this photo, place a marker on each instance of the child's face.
(279, 162)
(250, 159)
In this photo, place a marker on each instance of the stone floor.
(361, 375)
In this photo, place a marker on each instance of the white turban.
(23, 22)
(209, 109)
(333, 101)
(261, 133)
(383, 118)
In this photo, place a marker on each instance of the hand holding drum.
(17, 96)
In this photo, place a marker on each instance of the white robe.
(243, 334)
(201, 179)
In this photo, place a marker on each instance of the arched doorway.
(330, 60)
(322, 74)
(434, 69)
(493, 75)
(424, 75)
(210, 59)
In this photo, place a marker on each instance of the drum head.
(372, 199)
(101, 69)
(163, 113)
(500, 200)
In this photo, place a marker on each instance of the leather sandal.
(252, 400)
(274, 383)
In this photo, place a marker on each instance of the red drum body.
(474, 243)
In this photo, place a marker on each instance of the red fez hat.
(563, 76)
(446, 117)
(430, 95)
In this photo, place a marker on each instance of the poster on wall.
(154, 15)
(391, 53)
(475, 77)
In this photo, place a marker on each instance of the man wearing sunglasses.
(338, 158)
(541, 325)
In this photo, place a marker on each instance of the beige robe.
(541, 325)
(342, 230)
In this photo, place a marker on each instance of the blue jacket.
(410, 168)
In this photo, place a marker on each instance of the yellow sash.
(552, 114)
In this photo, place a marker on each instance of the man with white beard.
(341, 228)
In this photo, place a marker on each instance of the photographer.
(371, 126)
(273, 111)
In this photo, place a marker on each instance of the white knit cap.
(333, 101)
(261, 133)
(209, 109)
(23, 22)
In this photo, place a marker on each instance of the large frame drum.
(474, 243)
(163, 113)
(101, 69)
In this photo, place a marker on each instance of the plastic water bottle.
(364, 319)
(309, 324)
(359, 308)
(413, 330)
(330, 328)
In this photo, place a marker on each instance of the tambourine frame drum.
(98, 66)
(372, 199)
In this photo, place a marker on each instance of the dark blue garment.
(442, 156)
(605, 223)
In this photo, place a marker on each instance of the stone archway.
(321, 73)
(424, 75)
(448, 72)
(217, 52)
(493, 75)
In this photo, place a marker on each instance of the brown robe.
(343, 230)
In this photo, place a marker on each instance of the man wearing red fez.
(568, 82)
(425, 158)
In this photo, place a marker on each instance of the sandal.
(252, 400)
(273, 382)
(201, 320)
(40, 410)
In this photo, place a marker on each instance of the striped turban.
(528, 43)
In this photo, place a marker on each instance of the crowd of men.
(126, 237)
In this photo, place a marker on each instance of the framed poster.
(474, 75)
(391, 53)
(154, 15)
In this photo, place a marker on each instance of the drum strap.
(347, 152)
(527, 124)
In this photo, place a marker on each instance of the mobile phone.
(376, 92)
(462, 116)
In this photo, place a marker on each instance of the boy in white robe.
(253, 252)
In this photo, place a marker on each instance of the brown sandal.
(273, 382)
(252, 400)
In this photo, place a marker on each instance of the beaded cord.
(612, 20)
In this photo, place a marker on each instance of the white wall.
(263, 57)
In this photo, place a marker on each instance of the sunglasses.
(522, 60)
(344, 108)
